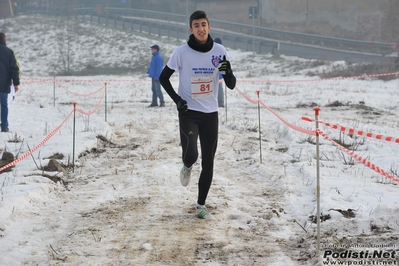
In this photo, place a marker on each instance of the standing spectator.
(221, 92)
(154, 71)
(9, 75)
(15, 8)
(198, 63)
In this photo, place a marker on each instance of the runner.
(199, 63)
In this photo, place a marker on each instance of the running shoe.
(185, 174)
(203, 213)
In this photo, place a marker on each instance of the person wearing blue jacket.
(9, 75)
(154, 71)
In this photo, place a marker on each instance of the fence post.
(317, 110)
(73, 138)
(260, 133)
(105, 100)
(225, 99)
(54, 91)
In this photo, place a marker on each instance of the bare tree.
(65, 37)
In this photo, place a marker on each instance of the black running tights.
(195, 124)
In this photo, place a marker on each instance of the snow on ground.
(122, 203)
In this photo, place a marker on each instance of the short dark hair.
(198, 15)
(2, 37)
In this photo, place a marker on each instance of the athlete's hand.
(182, 106)
(224, 66)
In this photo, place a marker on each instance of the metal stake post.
(105, 101)
(54, 91)
(225, 100)
(317, 110)
(73, 138)
(260, 133)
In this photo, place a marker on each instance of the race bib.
(201, 87)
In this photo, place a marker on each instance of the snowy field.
(121, 202)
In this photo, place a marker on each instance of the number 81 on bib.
(201, 88)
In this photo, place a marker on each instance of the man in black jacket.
(9, 75)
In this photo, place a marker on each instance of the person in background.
(221, 92)
(199, 63)
(155, 69)
(15, 8)
(9, 75)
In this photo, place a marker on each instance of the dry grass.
(389, 65)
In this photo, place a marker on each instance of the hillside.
(124, 205)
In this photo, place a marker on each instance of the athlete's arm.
(165, 82)
(230, 80)
(228, 76)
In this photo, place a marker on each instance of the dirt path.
(126, 206)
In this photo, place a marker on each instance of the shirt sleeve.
(164, 79)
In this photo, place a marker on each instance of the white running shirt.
(198, 76)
